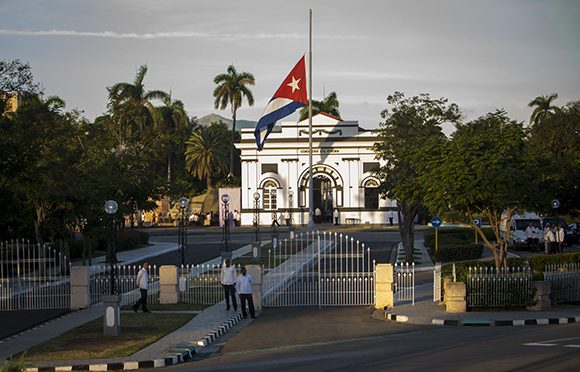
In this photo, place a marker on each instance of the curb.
(178, 354)
(396, 318)
(498, 323)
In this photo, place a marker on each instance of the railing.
(405, 282)
(488, 287)
(33, 276)
(125, 284)
(565, 282)
(201, 284)
(437, 283)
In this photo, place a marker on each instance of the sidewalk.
(199, 327)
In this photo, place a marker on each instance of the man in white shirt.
(549, 239)
(530, 235)
(560, 235)
(142, 283)
(228, 280)
(244, 287)
(336, 216)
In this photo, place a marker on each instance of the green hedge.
(454, 236)
(460, 252)
(126, 240)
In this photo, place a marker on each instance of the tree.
(543, 108)
(328, 105)
(410, 135)
(553, 150)
(482, 172)
(16, 76)
(205, 153)
(230, 90)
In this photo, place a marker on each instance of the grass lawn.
(169, 307)
(88, 341)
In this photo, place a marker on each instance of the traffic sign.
(478, 222)
(436, 221)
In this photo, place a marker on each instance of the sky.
(481, 55)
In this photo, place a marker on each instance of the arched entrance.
(327, 189)
(323, 199)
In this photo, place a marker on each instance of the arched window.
(269, 195)
(371, 194)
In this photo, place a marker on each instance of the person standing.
(244, 287)
(317, 215)
(143, 284)
(560, 235)
(228, 280)
(336, 216)
(391, 217)
(549, 239)
(530, 235)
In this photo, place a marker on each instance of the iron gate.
(320, 269)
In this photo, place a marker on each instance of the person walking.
(143, 284)
(228, 280)
(391, 217)
(244, 287)
(559, 236)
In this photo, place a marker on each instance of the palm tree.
(230, 90)
(204, 154)
(328, 105)
(543, 108)
(173, 124)
(131, 104)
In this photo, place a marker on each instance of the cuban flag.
(290, 96)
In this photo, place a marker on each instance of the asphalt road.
(339, 339)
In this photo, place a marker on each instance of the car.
(575, 227)
(569, 236)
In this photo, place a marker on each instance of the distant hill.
(240, 124)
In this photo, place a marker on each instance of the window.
(369, 167)
(269, 195)
(371, 195)
(269, 168)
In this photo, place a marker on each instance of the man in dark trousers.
(143, 285)
(228, 280)
(244, 287)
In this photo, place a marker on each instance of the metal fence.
(125, 284)
(488, 287)
(33, 276)
(405, 282)
(320, 269)
(437, 283)
(565, 281)
(201, 284)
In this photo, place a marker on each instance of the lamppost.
(290, 206)
(112, 318)
(182, 227)
(275, 224)
(226, 232)
(256, 242)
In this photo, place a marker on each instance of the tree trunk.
(231, 174)
(407, 227)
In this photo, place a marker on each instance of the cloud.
(172, 35)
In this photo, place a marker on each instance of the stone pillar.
(168, 285)
(446, 281)
(455, 293)
(384, 289)
(112, 318)
(256, 272)
(542, 300)
(80, 296)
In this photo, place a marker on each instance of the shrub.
(538, 263)
(130, 239)
(460, 252)
(76, 246)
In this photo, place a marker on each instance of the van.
(518, 225)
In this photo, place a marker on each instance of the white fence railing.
(437, 285)
(33, 276)
(488, 287)
(201, 284)
(320, 269)
(125, 283)
(565, 282)
(404, 282)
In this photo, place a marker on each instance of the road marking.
(539, 344)
(578, 346)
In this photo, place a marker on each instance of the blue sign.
(478, 222)
(436, 221)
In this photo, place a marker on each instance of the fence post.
(80, 297)
(384, 296)
(542, 300)
(455, 300)
(168, 285)
(256, 272)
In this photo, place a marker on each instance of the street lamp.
(182, 227)
(290, 206)
(226, 232)
(256, 242)
(112, 318)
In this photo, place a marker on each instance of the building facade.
(343, 161)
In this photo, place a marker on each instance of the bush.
(454, 236)
(130, 239)
(76, 246)
(460, 252)
(538, 263)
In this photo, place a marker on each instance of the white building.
(343, 161)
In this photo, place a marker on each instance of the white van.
(518, 225)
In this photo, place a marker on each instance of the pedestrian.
(537, 234)
(236, 218)
(530, 235)
(143, 284)
(549, 239)
(336, 216)
(228, 280)
(559, 236)
(546, 242)
(318, 215)
(244, 287)
(391, 217)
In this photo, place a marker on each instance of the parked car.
(569, 236)
(575, 227)
(518, 225)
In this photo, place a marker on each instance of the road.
(337, 339)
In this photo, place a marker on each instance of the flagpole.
(310, 182)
